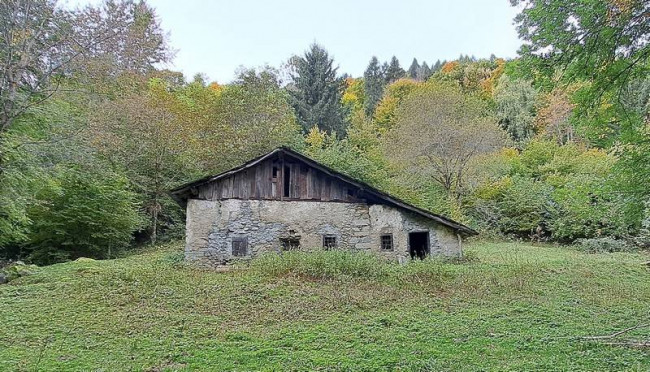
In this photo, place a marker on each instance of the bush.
(603, 245)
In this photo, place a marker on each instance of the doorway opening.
(419, 244)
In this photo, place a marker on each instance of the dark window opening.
(329, 241)
(387, 242)
(290, 244)
(350, 192)
(419, 244)
(240, 246)
(287, 182)
(275, 172)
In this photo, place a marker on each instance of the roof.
(184, 192)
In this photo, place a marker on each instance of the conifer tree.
(316, 92)
(384, 68)
(394, 71)
(437, 66)
(373, 85)
(413, 70)
(423, 72)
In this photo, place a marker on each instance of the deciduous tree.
(439, 130)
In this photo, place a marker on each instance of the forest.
(551, 146)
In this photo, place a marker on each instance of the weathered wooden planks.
(258, 182)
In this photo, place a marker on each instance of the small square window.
(290, 244)
(239, 246)
(329, 241)
(387, 242)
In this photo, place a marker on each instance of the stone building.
(284, 200)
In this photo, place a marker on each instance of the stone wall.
(212, 225)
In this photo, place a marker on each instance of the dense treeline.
(94, 133)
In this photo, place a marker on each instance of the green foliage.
(515, 107)
(436, 134)
(514, 206)
(553, 192)
(413, 70)
(394, 71)
(82, 214)
(356, 156)
(373, 80)
(602, 46)
(316, 92)
(603, 245)
(394, 95)
(604, 42)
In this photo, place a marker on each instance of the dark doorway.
(419, 244)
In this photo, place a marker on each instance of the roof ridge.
(175, 193)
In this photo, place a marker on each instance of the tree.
(87, 214)
(603, 41)
(605, 45)
(394, 95)
(59, 200)
(316, 91)
(354, 95)
(424, 72)
(439, 130)
(515, 107)
(150, 136)
(437, 66)
(413, 70)
(136, 45)
(36, 44)
(42, 44)
(373, 86)
(250, 117)
(553, 116)
(394, 71)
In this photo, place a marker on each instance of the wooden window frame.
(382, 246)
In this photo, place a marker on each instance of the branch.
(616, 334)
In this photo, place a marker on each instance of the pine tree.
(394, 71)
(423, 72)
(384, 68)
(437, 66)
(373, 80)
(316, 92)
(413, 70)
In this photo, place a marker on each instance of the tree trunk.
(154, 227)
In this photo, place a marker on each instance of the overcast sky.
(215, 37)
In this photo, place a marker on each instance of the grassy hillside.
(514, 307)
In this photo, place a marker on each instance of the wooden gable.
(281, 177)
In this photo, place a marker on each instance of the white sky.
(215, 37)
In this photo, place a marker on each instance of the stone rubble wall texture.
(211, 226)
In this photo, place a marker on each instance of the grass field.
(514, 307)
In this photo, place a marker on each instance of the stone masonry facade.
(213, 225)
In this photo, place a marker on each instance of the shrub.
(603, 245)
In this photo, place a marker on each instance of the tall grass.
(344, 265)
